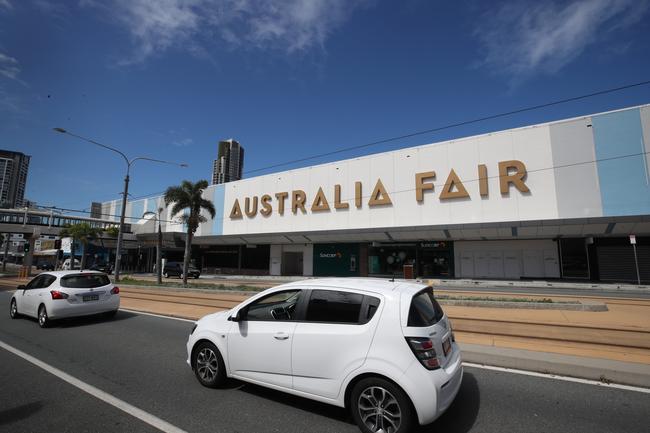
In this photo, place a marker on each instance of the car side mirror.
(237, 317)
(22, 287)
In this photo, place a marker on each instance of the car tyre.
(43, 319)
(13, 310)
(208, 364)
(196, 277)
(378, 405)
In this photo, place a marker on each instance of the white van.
(66, 265)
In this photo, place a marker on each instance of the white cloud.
(9, 67)
(5, 4)
(183, 142)
(196, 25)
(523, 38)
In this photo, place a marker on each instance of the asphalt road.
(141, 360)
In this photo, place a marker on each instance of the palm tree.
(189, 196)
(82, 232)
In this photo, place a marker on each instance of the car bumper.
(433, 391)
(62, 309)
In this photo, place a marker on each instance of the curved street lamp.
(129, 162)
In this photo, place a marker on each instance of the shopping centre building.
(555, 200)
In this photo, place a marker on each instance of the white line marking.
(157, 315)
(98, 393)
(558, 377)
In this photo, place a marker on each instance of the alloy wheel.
(379, 410)
(13, 310)
(207, 364)
(42, 317)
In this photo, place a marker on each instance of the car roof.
(376, 285)
(60, 274)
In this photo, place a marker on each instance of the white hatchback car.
(61, 294)
(384, 349)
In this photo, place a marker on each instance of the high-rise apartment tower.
(229, 164)
(13, 178)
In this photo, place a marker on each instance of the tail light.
(423, 350)
(115, 290)
(58, 295)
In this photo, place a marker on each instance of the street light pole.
(156, 219)
(118, 248)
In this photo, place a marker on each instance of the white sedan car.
(57, 295)
(383, 349)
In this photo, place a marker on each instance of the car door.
(27, 300)
(259, 344)
(332, 340)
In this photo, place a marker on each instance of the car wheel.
(196, 277)
(180, 275)
(43, 320)
(208, 365)
(13, 309)
(378, 405)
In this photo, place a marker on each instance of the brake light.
(58, 295)
(423, 350)
(115, 290)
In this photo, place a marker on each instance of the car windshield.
(84, 281)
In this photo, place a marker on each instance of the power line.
(454, 125)
(436, 129)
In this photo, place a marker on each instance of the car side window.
(332, 306)
(35, 283)
(274, 307)
(47, 281)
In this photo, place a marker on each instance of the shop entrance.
(436, 259)
(292, 263)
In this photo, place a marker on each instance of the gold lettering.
(250, 212)
(357, 194)
(516, 178)
(320, 202)
(379, 195)
(266, 205)
(420, 186)
(453, 181)
(298, 198)
(337, 199)
(281, 196)
(235, 213)
(483, 180)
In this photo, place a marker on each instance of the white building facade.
(556, 200)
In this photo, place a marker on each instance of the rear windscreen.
(425, 310)
(85, 281)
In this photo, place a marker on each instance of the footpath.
(609, 346)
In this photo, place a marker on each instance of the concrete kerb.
(625, 373)
(537, 284)
(567, 306)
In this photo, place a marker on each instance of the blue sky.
(289, 78)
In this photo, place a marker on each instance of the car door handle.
(281, 336)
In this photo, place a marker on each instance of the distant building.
(96, 210)
(229, 164)
(30, 204)
(13, 178)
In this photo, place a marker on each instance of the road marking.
(558, 377)
(157, 315)
(150, 419)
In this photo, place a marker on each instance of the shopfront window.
(390, 259)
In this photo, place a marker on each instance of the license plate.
(446, 346)
(91, 298)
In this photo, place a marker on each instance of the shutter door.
(616, 263)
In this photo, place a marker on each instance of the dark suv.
(175, 269)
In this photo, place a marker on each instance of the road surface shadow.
(73, 322)
(459, 418)
(18, 413)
